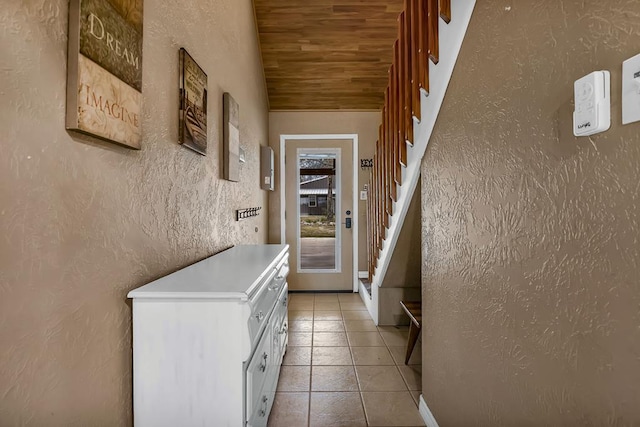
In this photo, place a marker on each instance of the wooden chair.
(414, 311)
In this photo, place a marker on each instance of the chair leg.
(414, 331)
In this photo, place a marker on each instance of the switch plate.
(592, 94)
(363, 195)
(631, 90)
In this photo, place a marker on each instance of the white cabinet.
(208, 340)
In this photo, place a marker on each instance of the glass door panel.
(318, 190)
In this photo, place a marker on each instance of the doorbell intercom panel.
(592, 94)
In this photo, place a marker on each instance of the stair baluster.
(417, 43)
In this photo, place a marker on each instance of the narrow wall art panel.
(231, 136)
(104, 72)
(193, 104)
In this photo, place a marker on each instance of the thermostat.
(592, 104)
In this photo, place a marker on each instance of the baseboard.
(363, 274)
(367, 299)
(426, 414)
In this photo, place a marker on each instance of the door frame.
(354, 210)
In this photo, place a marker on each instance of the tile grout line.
(355, 371)
(313, 316)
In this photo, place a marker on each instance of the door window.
(318, 210)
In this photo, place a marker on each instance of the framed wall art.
(231, 137)
(104, 72)
(193, 104)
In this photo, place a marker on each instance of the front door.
(318, 213)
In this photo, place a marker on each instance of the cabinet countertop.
(231, 274)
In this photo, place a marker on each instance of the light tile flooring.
(342, 370)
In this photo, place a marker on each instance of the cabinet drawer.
(258, 371)
(265, 299)
(282, 328)
(283, 270)
(260, 414)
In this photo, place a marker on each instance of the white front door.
(319, 214)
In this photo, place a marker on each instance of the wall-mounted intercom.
(592, 94)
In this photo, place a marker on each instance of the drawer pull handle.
(263, 366)
(260, 316)
(273, 287)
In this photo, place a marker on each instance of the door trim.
(354, 144)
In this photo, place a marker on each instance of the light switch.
(631, 90)
(363, 195)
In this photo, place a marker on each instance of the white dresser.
(208, 340)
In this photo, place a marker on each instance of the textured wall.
(365, 124)
(531, 263)
(82, 223)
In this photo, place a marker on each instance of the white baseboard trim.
(363, 274)
(367, 299)
(426, 414)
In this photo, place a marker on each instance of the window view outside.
(317, 211)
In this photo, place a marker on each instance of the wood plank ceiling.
(327, 54)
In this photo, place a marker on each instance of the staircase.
(430, 34)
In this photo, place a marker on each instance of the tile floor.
(342, 370)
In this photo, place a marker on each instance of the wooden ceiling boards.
(327, 54)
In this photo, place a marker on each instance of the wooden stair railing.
(417, 43)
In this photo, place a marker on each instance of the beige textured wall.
(365, 124)
(82, 224)
(531, 260)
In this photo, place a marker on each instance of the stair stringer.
(451, 37)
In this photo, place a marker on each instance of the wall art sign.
(193, 104)
(104, 70)
(231, 137)
(366, 163)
